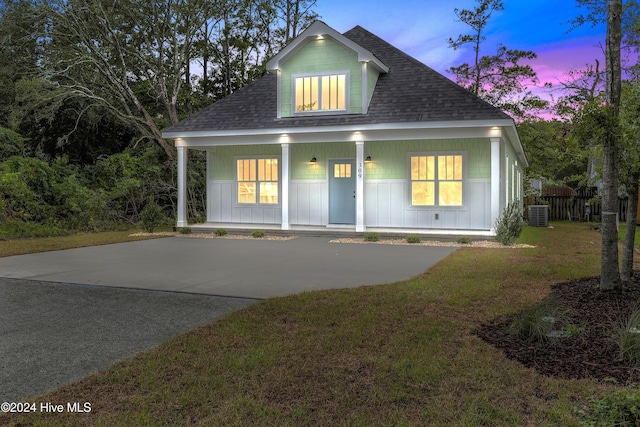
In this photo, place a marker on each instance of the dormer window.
(315, 93)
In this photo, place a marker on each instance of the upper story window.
(320, 93)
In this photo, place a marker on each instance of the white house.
(347, 131)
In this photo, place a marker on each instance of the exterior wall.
(222, 204)
(513, 186)
(386, 187)
(322, 56)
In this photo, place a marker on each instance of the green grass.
(396, 354)
(43, 244)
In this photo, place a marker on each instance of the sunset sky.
(421, 29)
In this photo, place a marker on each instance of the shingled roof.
(409, 92)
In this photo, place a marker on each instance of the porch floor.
(340, 231)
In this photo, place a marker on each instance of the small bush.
(371, 237)
(151, 217)
(510, 224)
(221, 232)
(464, 240)
(629, 338)
(17, 229)
(535, 323)
(258, 234)
(413, 239)
(185, 230)
(616, 409)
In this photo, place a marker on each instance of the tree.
(554, 155)
(610, 275)
(128, 58)
(629, 171)
(500, 79)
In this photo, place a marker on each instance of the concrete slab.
(240, 268)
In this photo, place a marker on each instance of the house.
(347, 131)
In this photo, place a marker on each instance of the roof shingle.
(409, 92)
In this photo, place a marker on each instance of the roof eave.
(320, 29)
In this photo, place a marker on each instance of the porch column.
(285, 187)
(495, 182)
(360, 187)
(182, 186)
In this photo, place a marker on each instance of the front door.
(342, 191)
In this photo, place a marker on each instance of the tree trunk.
(610, 273)
(630, 234)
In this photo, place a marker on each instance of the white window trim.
(437, 154)
(347, 90)
(235, 182)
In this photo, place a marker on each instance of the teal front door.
(342, 191)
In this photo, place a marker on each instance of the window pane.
(246, 192)
(458, 166)
(269, 193)
(342, 92)
(306, 93)
(423, 168)
(326, 93)
(422, 193)
(415, 170)
(450, 194)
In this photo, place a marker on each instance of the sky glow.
(422, 28)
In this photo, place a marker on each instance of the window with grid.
(436, 180)
(321, 93)
(257, 181)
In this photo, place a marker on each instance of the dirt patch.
(593, 351)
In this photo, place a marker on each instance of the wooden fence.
(562, 208)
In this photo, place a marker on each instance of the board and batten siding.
(386, 187)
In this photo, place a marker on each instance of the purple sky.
(421, 29)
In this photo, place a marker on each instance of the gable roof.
(321, 30)
(409, 92)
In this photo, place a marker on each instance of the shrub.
(16, 229)
(151, 217)
(371, 237)
(535, 323)
(510, 224)
(185, 230)
(464, 240)
(258, 234)
(616, 409)
(629, 338)
(221, 232)
(413, 239)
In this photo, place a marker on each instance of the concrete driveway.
(239, 268)
(66, 314)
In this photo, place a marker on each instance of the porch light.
(313, 160)
(367, 159)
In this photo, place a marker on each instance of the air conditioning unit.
(539, 215)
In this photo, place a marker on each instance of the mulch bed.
(593, 353)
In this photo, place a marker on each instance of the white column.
(285, 187)
(495, 182)
(182, 187)
(360, 186)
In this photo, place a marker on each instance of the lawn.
(79, 240)
(395, 354)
